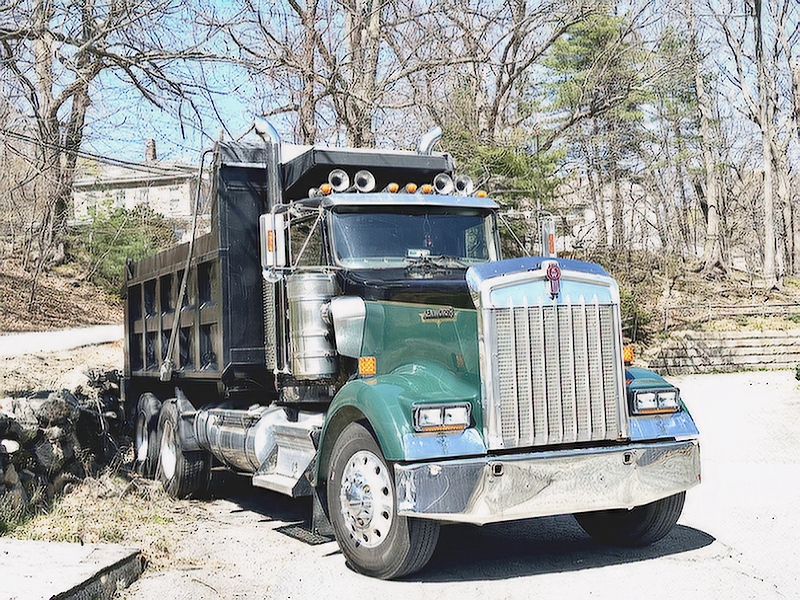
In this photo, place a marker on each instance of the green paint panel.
(424, 354)
(398, 334)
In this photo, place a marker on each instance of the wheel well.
(343, 417)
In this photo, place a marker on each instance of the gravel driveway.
(737, 537)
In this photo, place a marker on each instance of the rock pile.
(50, 441)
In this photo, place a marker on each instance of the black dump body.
(220, 347)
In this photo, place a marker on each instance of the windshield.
(387, 239)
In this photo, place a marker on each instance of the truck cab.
(349, 331)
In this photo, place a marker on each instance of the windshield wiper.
(446, 260)
(434, 264)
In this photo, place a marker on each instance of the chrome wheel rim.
(168, 458)
(366, 499)
(142, 439)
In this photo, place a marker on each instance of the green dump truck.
(348, 331)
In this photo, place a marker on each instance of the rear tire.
(182, 473)
(639, 526)
(146, 435)
(374, 539)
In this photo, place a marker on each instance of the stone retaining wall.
(714, 351)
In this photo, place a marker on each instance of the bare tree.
(712, 259)
(757, 40)
(331, 65)
(53, 53)
(496, 49)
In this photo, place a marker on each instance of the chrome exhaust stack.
(427, 141)
(269, 134)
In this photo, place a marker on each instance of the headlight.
(442, 417)
(645, 402)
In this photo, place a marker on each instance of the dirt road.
(19, 344)
(736, 539)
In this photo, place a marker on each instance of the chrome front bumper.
(504, 488)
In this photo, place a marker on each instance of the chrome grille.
(557, 374)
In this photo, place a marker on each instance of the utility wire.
(85, 154)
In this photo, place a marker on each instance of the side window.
(306, 242)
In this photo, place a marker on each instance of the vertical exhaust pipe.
(276, 338)
(273, 142)
(427, 141)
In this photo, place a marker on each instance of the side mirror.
(272, 235)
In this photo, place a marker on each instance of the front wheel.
(639, 526)
(374, 539)
(182, 473)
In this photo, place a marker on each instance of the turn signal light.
(627, 355)
(367, 365)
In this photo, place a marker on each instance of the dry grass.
(23, 375)
(751, 323)
(61, 301)
(122, 510)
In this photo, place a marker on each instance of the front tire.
(639, 526)
(182, 473)
(374, 539)
(146, 435)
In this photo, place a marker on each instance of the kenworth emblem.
(553, 279)
(446, 313)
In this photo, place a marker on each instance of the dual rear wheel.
(158, 452)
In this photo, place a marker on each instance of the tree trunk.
(770, 242)
(307, 112)
(711, 261)
(363, 22)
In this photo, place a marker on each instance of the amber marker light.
(367, 365)
(326, 188)
(481, 194)
(411, 188)
(426, 188)
(393, 188)
(627, 355)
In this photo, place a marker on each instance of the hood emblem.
(553, 272)
(437, 315)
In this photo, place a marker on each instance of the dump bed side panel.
(221, 331)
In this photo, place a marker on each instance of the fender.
(386, 402)
(677, 425)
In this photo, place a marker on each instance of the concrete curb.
(32, 570)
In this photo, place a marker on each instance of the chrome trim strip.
(504, 488)
(403, 199)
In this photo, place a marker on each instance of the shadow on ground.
(539, 546)
(467, 552)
